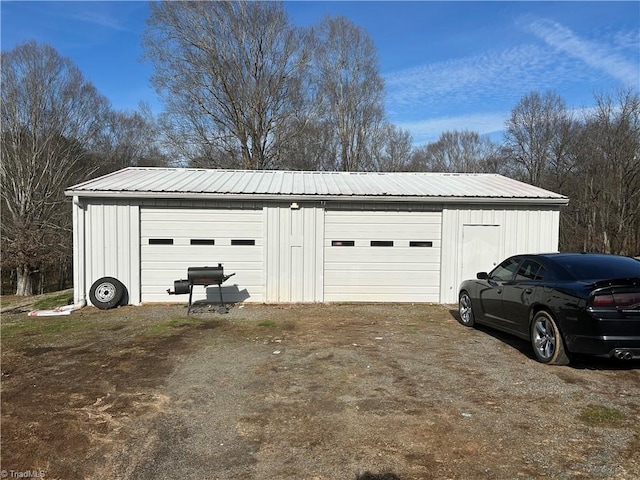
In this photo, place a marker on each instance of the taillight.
(627, 299)
(603, 301)
(616, 300)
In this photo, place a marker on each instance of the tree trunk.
(24, 278)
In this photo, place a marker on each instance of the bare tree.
(130, 139)
(50, 117)
(607, 182)
(312, 149)
(349, 89)
(231, 75)
(459, 152)
(391, 150)
(536, 135)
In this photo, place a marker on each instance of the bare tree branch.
(230, 73)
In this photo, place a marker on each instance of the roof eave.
(320, 198)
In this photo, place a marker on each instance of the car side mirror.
(482, 276)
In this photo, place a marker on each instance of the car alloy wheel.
(547, 341)
(466, 310)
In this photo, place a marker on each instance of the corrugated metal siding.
(294, 256)
(112, 232)
(79, 251)
(319, 184)
(521, 231)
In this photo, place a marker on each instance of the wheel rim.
(465, 308)
(105, 292)
(544, 338)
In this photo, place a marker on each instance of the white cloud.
(102, 19)
(111, 15)
(458, 94)
(424, 131)
(486, 80)
(473, 92)
(595, 54)
(506, 74)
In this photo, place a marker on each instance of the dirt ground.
(304, 392)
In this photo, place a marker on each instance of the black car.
(563, 303)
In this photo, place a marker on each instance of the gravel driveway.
(317, 392)
(332, 391)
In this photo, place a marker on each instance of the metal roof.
(154, 182)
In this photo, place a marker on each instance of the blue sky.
(446, 65)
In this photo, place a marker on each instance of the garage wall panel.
(292, 258)
(112, 233)
(294, 255)
(525, 229)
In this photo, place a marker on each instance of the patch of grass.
(39, 326)
(602, 416)
(267, 323)
(169, 326)
(34, 332)
(62, 297)
(58, 300)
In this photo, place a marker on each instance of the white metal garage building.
(304, 236)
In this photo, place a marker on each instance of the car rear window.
(588, 267)
(530, 271)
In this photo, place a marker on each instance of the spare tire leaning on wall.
(107, 292)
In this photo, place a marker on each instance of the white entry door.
(480, 249)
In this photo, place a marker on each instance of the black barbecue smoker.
(205, 276)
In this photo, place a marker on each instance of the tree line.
(244, 88)
(56, 130)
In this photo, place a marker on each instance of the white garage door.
(382, 256)
(173, 239)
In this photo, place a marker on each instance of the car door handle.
(528, 290)
(499, 290)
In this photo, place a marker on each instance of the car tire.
(106, 293)
(546, 340)
(465, 310)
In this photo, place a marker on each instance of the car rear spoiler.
(618, 282)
